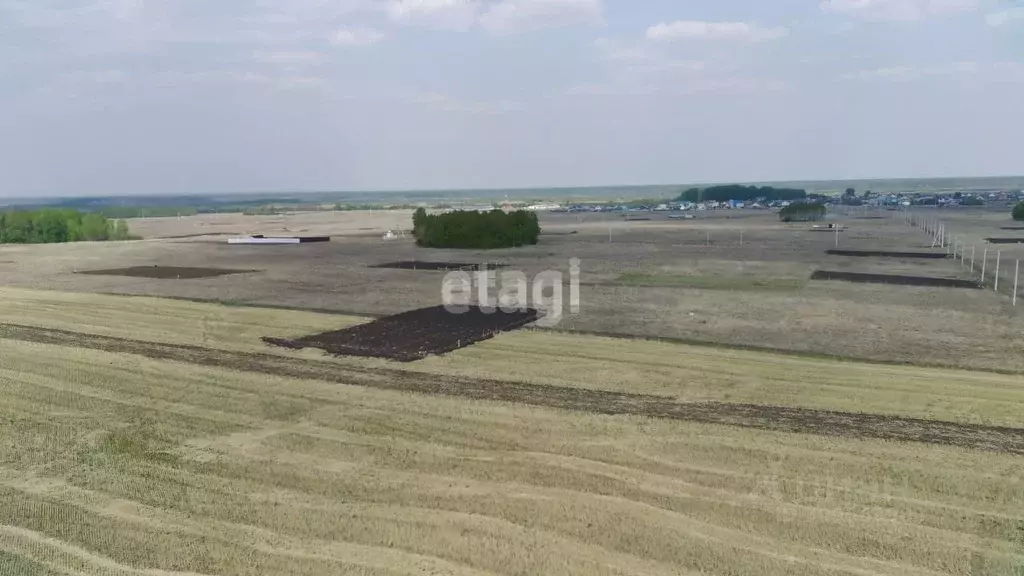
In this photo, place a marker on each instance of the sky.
(116, 97)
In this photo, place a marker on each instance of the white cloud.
(899, 10)
(643, 57)
(95, 76)
(176, 78)
(1005, 17)
(289, 57)
(697, 30)
(668, 65)
(724, 85)
(976, 71)
(637, 89)
(447, 104)
(891, 73)
(498, 17)
(450, 14)
(617, 51)
(526, 15)
(356, 37)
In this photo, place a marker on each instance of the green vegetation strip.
(49, 226)
(472, 229)
(747, 283)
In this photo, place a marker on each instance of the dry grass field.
(152, 436)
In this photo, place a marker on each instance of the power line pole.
(996, 286)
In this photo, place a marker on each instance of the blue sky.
(174, 96)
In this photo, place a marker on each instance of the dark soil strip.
(887, 254)
(607, 334)
(198, 235)
(894, 279)
(166, 272)
(239, 304)
(415, 334)
(774, 418)
(1011, 227)
(437, 266)
(829, 230)
(1004, 240)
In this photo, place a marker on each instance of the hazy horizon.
(565, 192)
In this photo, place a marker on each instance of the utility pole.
(1016, 271)
(996, 286)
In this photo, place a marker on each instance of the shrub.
(741, 193)
(802, 212)
(1018, 211)
(472, 229)
(58, 225)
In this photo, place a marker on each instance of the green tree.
(1018, 211)
(419, 219)
(94, 227)
(472, 229)
(118, 230)
(802, 212)
(58, 225)
(741, 193)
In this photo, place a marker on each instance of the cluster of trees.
(741, 193)
(147, 212)
(59, 225)
(472, 229)
(802, 212)
(850, 198)
(1018, 211)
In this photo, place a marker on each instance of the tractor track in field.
(762, 417)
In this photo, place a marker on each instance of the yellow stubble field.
(127, 449)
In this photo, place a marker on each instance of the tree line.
(473, 229)
(741, 193)
(147, 211)
(59, 225)
(802, 212)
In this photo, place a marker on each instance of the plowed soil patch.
(775, 418)
(437, 266)
(414, 335)
(886, 254)
(166, 272)
(893, 279)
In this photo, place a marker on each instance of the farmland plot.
(180, 447)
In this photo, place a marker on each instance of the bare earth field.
(681, 279)
(709, 410)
